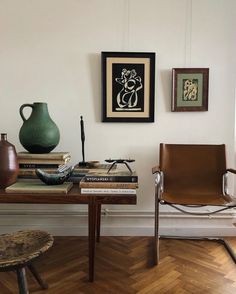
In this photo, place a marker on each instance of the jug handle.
(21, 110)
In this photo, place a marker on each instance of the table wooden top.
(72, 197)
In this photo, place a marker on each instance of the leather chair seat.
(195, 199)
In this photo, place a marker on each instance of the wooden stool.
(19, 249)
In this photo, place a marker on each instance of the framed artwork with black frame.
(128, 86)
(190, 89)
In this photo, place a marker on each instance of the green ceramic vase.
(39, 133)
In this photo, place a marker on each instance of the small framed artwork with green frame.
(190, 89)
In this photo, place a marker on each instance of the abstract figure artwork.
(128, 86)
(127, 98)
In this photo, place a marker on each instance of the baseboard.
(117, 222)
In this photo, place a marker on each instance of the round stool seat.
(20, 247)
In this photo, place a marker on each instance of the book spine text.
(132, 179)
(107, 191)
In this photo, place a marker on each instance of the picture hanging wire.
(188, 34)
(126, 26)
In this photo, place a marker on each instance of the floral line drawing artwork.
(128, 86)
(127, 98)
(190, 89)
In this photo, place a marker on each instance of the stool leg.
(22, 282)
(37, 276)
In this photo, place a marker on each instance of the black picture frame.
(128, 80)
(190, 89)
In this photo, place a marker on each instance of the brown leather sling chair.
(192, 176)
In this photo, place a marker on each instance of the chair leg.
(228, 248)
(156, 233)
(37, 276)
(214, 239)
(98, 221)
(22, 281)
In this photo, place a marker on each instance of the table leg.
(99, 207)
(92, 211)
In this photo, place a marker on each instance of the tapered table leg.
(92, 211)
(99, 207)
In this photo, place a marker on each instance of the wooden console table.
(93, 201)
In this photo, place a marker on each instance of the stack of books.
(50, 162)
(80, 171)
(115, 182)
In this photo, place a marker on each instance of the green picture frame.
(190, 89)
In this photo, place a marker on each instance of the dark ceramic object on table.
(9, 167)
(39, 133)
(54, 178)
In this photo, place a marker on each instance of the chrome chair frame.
(159, 188)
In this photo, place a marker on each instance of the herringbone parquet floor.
(123, 265)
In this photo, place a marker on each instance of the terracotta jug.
(39, 133)
(8, 163)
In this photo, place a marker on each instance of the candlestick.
(82, 163)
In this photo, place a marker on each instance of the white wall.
(50, 51)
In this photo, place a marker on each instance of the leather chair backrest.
(192, 168)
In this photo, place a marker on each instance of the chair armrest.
(231, 170)
(155, 169)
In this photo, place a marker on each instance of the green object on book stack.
(54, 178)
(39, 133)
